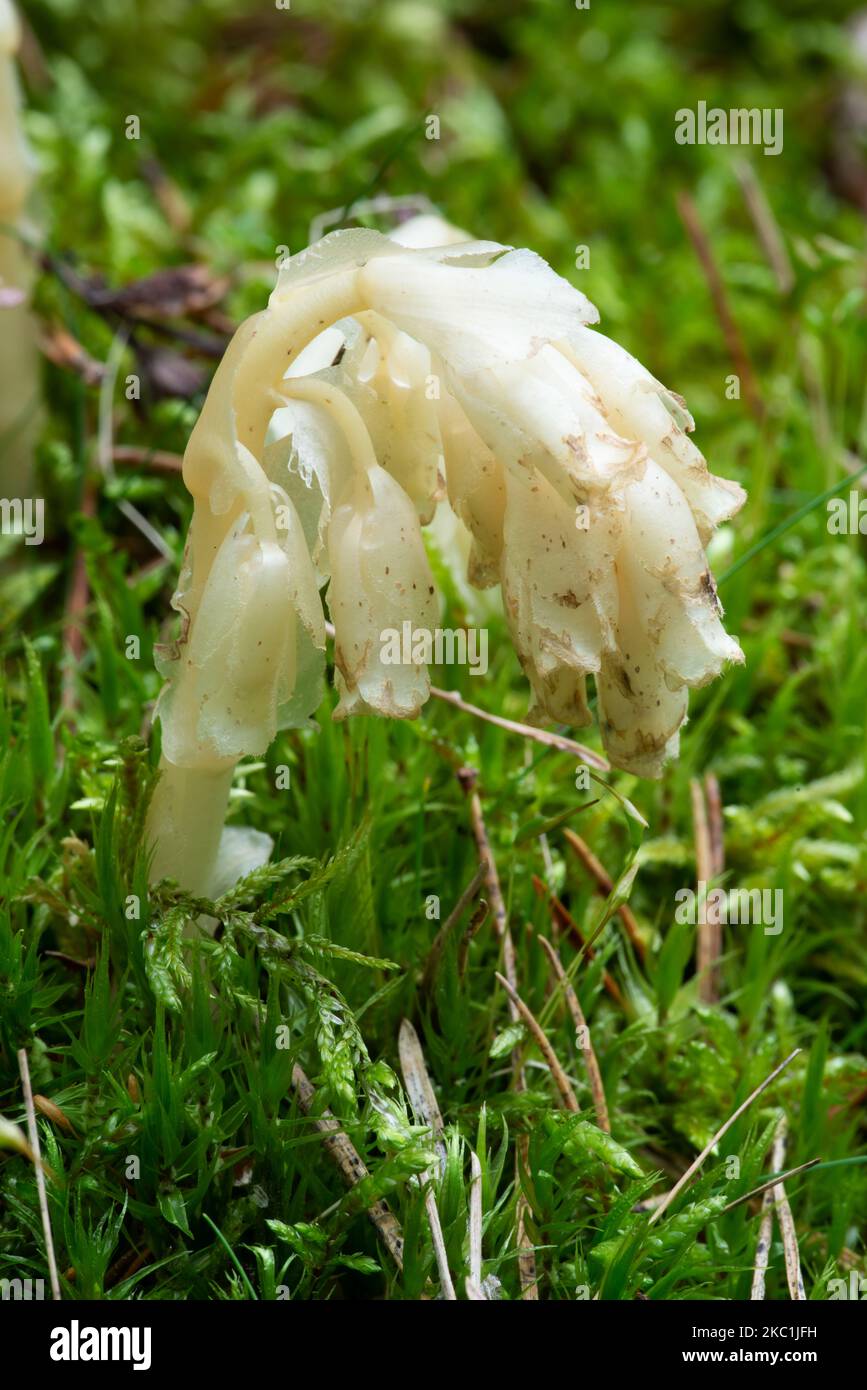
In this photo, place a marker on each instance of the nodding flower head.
(388, 376)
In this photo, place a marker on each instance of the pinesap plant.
(388, 375)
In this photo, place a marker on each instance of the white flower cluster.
(388, 374)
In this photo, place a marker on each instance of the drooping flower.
(387, 378)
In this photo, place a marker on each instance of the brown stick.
(422, 1098)
(605, 886)
(126, 1266)
(33, 1133)
(564, 919)
(775, 1198)
(136, 457)
(769, 1201)
(352, 1167)
(558, 741)
(765, 1187)
(77, 600)
(594, 1075)
(475, 1220)
(419, 1086)
(543, 736)
(723, 1129)
(438, 945)
(766, 226)
(709, 936)
(794, 1277)
(715, 823)
(731, 333)
(564, 1085)
(467, 776)
(476, 922)
(526, 1254)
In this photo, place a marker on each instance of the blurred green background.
(556, 131)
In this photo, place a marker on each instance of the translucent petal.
(242, 849)
(476, 490)
(308, 456)
(380, 582)
(428, 230)
(471, 316)
(543, 414)
(240, 661)
(388, 377)
(639, 715)
(671, 588)
(559, 593)
(641, 408)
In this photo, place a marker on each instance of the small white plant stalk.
(19, 358)
(385, 376)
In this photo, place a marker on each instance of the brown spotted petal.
(668, 634)
(641, 408)
(559, 593)
(639, 715)
(672, 589)
(476, 484)
(381, 588)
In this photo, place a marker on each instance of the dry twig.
(351, 1165)
(558, 741)
(594, 1075)
(134, 456)
(426, 1109)
(731, 333)
(564, 1085)
(767, 227)
(543, 736)
(526, 1257)
(562, 918)
(475, 1220)
(709, 938)
(763, 1248)
(33, 1133)
(605, 885)
(78, 598)
(439, 942)
(724, 1129)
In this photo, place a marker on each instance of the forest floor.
(173, 1078)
